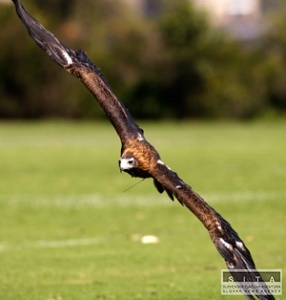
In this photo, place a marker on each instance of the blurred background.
(166, 59)
(70, 224)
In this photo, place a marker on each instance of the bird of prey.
(138, 157)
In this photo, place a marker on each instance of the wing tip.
(60, 53)
(236, 254)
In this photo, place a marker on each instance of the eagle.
(138, 157)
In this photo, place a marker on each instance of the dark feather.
(78, 64)
(45, 39)
(160, 188)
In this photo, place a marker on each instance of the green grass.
(70, 230)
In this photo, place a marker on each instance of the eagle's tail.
(59, 52)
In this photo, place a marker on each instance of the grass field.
(70, 229)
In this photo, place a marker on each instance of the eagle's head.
(130, 165)
(127, 162)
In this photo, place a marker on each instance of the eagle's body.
(138, 157)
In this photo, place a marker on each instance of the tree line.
(169, 65)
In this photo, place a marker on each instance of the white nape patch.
(140, 137)
(67, 57)
(178, 187)
(240, 245)
(227, 245)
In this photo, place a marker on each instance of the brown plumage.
(138, 157)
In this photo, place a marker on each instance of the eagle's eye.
(131, 161)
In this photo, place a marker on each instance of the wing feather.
(78, 64)
(226, 240)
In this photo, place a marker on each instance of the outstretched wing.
(226, 240)
(78, 64)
